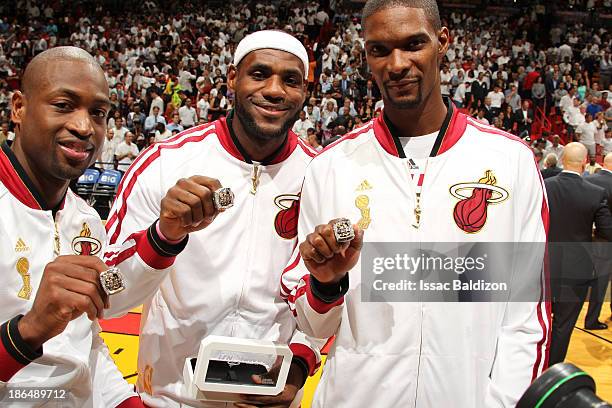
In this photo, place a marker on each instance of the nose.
(398, 64)
(80, 124)
(274, 88)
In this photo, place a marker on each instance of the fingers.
(191, 201)
(92, 262)
(321, 245)
(85, 269)
(75, 304)
(81, 294)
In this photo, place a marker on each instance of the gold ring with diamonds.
(112, 281)
(343, 230)
(223, 199)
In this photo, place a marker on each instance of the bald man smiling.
(51, 295)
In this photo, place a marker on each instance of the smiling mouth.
(76, 152)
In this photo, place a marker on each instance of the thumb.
(257, 379)
(357, 242)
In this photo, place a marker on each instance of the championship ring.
(223, 199)
(112, 281)
(343, 230)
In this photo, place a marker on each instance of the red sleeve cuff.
(8, 365)
(154, 251)
(317, 304)
(133, 402)
(307, 355)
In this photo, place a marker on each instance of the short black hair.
(430, 8)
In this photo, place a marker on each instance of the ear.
(232, 73)
(443, 43)
(18, 103)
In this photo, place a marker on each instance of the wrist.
(166, 235)
(28, 332)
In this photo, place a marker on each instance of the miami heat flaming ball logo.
(470, 212)
(84, 244)
(286, 220)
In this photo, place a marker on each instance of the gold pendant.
(23, 267)
(56, 242)
(417, 217)
(362, 202)
(417, 212)
(255, 179)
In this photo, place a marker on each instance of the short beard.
(405, 104)
(253, 129)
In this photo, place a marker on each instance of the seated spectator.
(555, 148)
(592, 166)
(126, 152)
(175, 124)
(480, 116)
(313, 139)
(151, 122)
(5, 133)
(347, 109)
(187, 114)
(301, 126)
(550, 166)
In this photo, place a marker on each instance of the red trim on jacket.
(306, 354)
(15, 185)
(8, 365)
(226, 141)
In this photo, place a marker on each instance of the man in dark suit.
(602, 254)
(574, 206)
(551, 168)
(523, 118)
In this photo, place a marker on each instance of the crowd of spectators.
(166, 64)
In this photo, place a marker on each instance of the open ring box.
(224, 366)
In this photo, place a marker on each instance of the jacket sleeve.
(524, 337)
(603, 218)
(14, 352)
(133, 244)
(317, 314)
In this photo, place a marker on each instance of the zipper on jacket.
(252, 236)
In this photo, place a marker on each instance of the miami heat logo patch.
(84, 244)
(286, 220)
(470, 212)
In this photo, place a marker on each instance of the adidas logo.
(21, 246)
(364, 185)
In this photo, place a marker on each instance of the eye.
(62, 106)
(100, 113)
(257, 75)
(377, 50)
(293, 81)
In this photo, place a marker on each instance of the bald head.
(608, 162)
(574, 157)
(36, 70)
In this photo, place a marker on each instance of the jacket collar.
(230, 143)
(569, 174)
(16, 180)
(451, 131)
